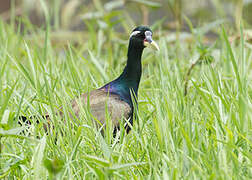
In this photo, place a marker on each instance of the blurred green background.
(122, 15)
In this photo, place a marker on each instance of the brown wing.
(101, 102)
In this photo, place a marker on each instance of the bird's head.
(141, 36)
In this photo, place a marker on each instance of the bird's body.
(116, 96)
(101, 102)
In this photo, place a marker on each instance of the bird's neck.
(131, 75)
(132, 72)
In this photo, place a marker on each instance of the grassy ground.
(206, 134)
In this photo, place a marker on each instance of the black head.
(141, 36)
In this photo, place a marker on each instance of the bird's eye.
(148, 33)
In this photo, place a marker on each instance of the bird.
(118, 96)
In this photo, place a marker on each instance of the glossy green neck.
(130, 77)
(132, 72)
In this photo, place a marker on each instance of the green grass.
(206, 134)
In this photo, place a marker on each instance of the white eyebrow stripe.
(134, 33)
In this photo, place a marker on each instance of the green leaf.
(98, 65)
(7, 98)
(37, 158)
(5, 118)
(12, 132)
(31, 62)
(125, 166)
(97, 160)
(23, 70)
(230, 52)
(53, 166)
